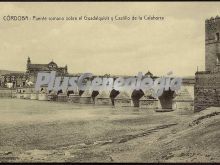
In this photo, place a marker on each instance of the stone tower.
(207, 83)
(212, 43)
(28, 62)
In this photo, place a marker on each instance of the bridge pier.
(103, 98)
(135, 97)
(166, 101)
(114, 93)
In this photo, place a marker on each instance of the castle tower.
(28, 63)
(212, 43)
(207, 84)
(66, 69)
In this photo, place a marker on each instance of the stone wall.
(103, 101)
(211, 51)
(183, 105)
(73, 98)
(62, 97)
(206, 90)
(212, 42)
(149, 103)
(6, 92)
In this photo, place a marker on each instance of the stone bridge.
(136, 98)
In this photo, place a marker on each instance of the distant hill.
(2, 72)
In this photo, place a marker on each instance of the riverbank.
(34, 131)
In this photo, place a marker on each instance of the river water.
(30, 126)
(20, 110)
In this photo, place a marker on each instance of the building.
(33, 69)
(148, 74)
(212, 44)
(51, 66)
(207, 83)
(17, 79)
(22, 79)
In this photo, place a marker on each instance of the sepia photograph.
(110, 82)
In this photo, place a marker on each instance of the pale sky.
(120, 47)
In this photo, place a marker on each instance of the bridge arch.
(166, 99)
(135, 97)
(113, 94)
(94, 94)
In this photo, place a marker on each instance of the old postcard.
(110, 82)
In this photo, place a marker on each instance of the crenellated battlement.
(212, 20)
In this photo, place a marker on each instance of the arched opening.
(60, 91)
(218, 58)
(150, 97)
(166, 99)
(81, 92)
(94, 94)
(113, 95)
(135, 96)
(70, 92)
(217, 36)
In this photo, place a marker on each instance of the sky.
(126, 47)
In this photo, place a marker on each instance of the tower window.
(218, 58)
(217, 36)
